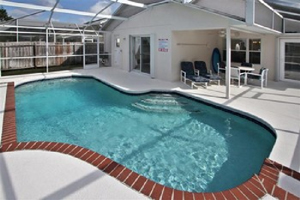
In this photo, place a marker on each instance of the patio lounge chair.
(202, 70)
(188, 73)
(262, 76)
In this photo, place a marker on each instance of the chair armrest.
(183, 73)
(197, 72)
(220, 68)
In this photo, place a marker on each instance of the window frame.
(247, 51)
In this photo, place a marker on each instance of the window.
(254, 51)
(241, 52)
(292, 61)
(118, 41)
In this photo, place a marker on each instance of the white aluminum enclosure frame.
(83, 32)
(89, 33)
(58, 10)
(49, 26)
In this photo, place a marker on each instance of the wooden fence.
(68, 54)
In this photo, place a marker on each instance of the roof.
(287, 8)
(126, 11)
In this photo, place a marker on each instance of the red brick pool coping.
(256, 187)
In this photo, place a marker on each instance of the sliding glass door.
(141, 54)
(290, 60)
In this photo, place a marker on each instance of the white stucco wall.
(180, 24)
(193, 46)
(268, 56)
(161, 21)
(268, 52)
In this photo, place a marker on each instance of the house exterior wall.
(193, 46)
(268, 52)
(180, 24)
(161, 21)
(268, 57)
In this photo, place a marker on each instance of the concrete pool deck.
(278, 105)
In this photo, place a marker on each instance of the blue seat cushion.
(213, 77)
(250, 76)
(199, 79)
(190, 76)
(201, 66)
(188, 68)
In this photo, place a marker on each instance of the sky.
(81, 5)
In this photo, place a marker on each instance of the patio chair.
(188, 73)
(246, 64)
(201, 67)
(262, 76)
(221, 68)
(237, 75)
(202, 70)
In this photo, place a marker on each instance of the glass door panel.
(145, 55)
(292, 61)
(140, 54)
(136, 53)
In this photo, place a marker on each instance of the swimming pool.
(173, 140)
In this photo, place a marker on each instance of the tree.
(3, 15)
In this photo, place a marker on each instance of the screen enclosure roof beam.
(58, 10)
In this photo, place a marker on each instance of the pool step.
(163, 96)
(162, 101)
(160, 109)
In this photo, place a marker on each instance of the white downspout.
(98, 52)
(228, 61)
(83, 51)
(47, 51)
(250, 12)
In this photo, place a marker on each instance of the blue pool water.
(173, 140)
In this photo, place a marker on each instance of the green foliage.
(3, 15)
